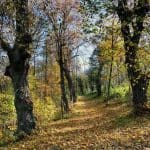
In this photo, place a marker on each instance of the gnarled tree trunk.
(23, 104)
(18, 69)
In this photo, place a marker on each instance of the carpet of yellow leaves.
(92, 126)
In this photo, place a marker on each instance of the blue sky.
(85, 51)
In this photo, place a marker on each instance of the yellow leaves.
(106, 51)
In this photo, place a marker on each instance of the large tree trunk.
(139, 81)
(23, 103)
(139, 91)
(70, 84)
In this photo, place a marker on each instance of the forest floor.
(91, 126)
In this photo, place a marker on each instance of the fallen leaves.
(92, 127)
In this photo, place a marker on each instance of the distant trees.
(95, 71)
(63, 20)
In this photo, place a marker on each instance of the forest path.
(91, 126)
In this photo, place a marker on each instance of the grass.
(124, 120)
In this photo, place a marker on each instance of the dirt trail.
(92, 126)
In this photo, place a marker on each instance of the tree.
(19, 56)
(132, 15)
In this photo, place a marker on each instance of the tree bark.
(64, 100)
(23, 102)
(139, 94)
